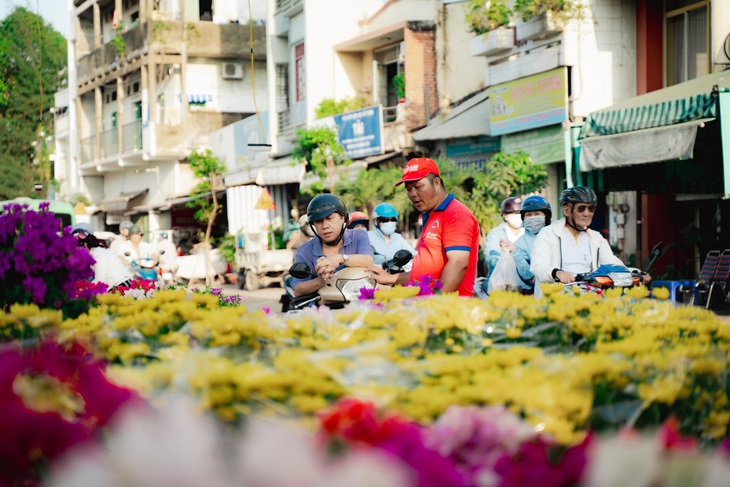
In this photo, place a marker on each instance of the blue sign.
(360, 132)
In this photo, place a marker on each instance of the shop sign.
(482, 144)
(530, 102)
(360, 132)
(545, 145)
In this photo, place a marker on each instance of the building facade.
(148, 82)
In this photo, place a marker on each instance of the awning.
(692, 100)
(283, 171)
(182, 200)
(640, 146)
(121, 203)
(469, 119)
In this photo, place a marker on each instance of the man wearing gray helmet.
(119, 240)
(568, 247)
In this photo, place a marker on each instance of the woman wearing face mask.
(535, 214)
(502, 236)
(384, 240)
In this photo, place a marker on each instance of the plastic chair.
(721, 276)
(707, 273)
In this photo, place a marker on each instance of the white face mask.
(514, 220)
(388, 228)
(534, 224)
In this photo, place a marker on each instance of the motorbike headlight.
(351, 288)
(621, 279)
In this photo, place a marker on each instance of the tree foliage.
(32, 54)
(483, 192)
(320, 148)
(330, 106)
(208, 169)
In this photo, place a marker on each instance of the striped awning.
(685, 102)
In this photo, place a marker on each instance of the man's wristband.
(555, 274)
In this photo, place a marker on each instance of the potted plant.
(399, 83)
(483, 17)
(543, 18)
(489, 21)
(227, 249)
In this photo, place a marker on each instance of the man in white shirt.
(568, 247)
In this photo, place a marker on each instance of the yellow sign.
(528, 103)
(265, 201)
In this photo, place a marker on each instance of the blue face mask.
(388, 228)
(534, 224)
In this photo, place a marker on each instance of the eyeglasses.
(386, 220)
(583, 208)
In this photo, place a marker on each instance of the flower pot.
(539, 27)
(493, 42)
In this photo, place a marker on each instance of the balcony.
(132, 136)
(109, 143)
(492, 43)
(178, 139)
(87, 149)
(540, 27)
(204, 39)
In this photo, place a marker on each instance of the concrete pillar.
(120, 113)
(98, 110)
(98, 41)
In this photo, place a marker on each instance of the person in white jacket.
(568, 247)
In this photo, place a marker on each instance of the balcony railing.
(88, 149)
(133, 136)
(110, 142)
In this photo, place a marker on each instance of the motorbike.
(144, 268)
(609, 276)
(340, 289)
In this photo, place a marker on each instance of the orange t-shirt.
(451, 226)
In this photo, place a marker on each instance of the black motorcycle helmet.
(322, 206)
(536, 203)
(578, 194)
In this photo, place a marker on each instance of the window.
(300, 67)
(388, 63)
(687, 40)
(132, 87)
(282, 88)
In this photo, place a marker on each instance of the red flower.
(672, 439)
(31, 435)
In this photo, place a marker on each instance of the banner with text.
(530, 102)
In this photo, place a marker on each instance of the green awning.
(692, 100)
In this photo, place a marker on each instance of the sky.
(52, 11)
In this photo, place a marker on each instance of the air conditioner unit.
(232, 71)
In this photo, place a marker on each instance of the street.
(261, 298)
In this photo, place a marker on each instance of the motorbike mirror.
(655, 253)
(402, 257)
(300, 270)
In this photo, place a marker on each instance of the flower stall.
(403, 388)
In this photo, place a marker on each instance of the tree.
(320, 148)
(209, 170)
(32, 54)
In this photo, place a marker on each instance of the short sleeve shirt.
(451, 226)
(355, 242)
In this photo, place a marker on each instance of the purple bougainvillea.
(39, 263)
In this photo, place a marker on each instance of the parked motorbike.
(610, 276)
(339, 290)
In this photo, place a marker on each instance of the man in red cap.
(448, 246)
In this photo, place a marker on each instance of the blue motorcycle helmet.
(384, 210)
(536, 203)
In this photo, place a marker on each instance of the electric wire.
(253, 74)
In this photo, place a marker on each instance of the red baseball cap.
(418, 169)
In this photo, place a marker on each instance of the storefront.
(672, 148)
